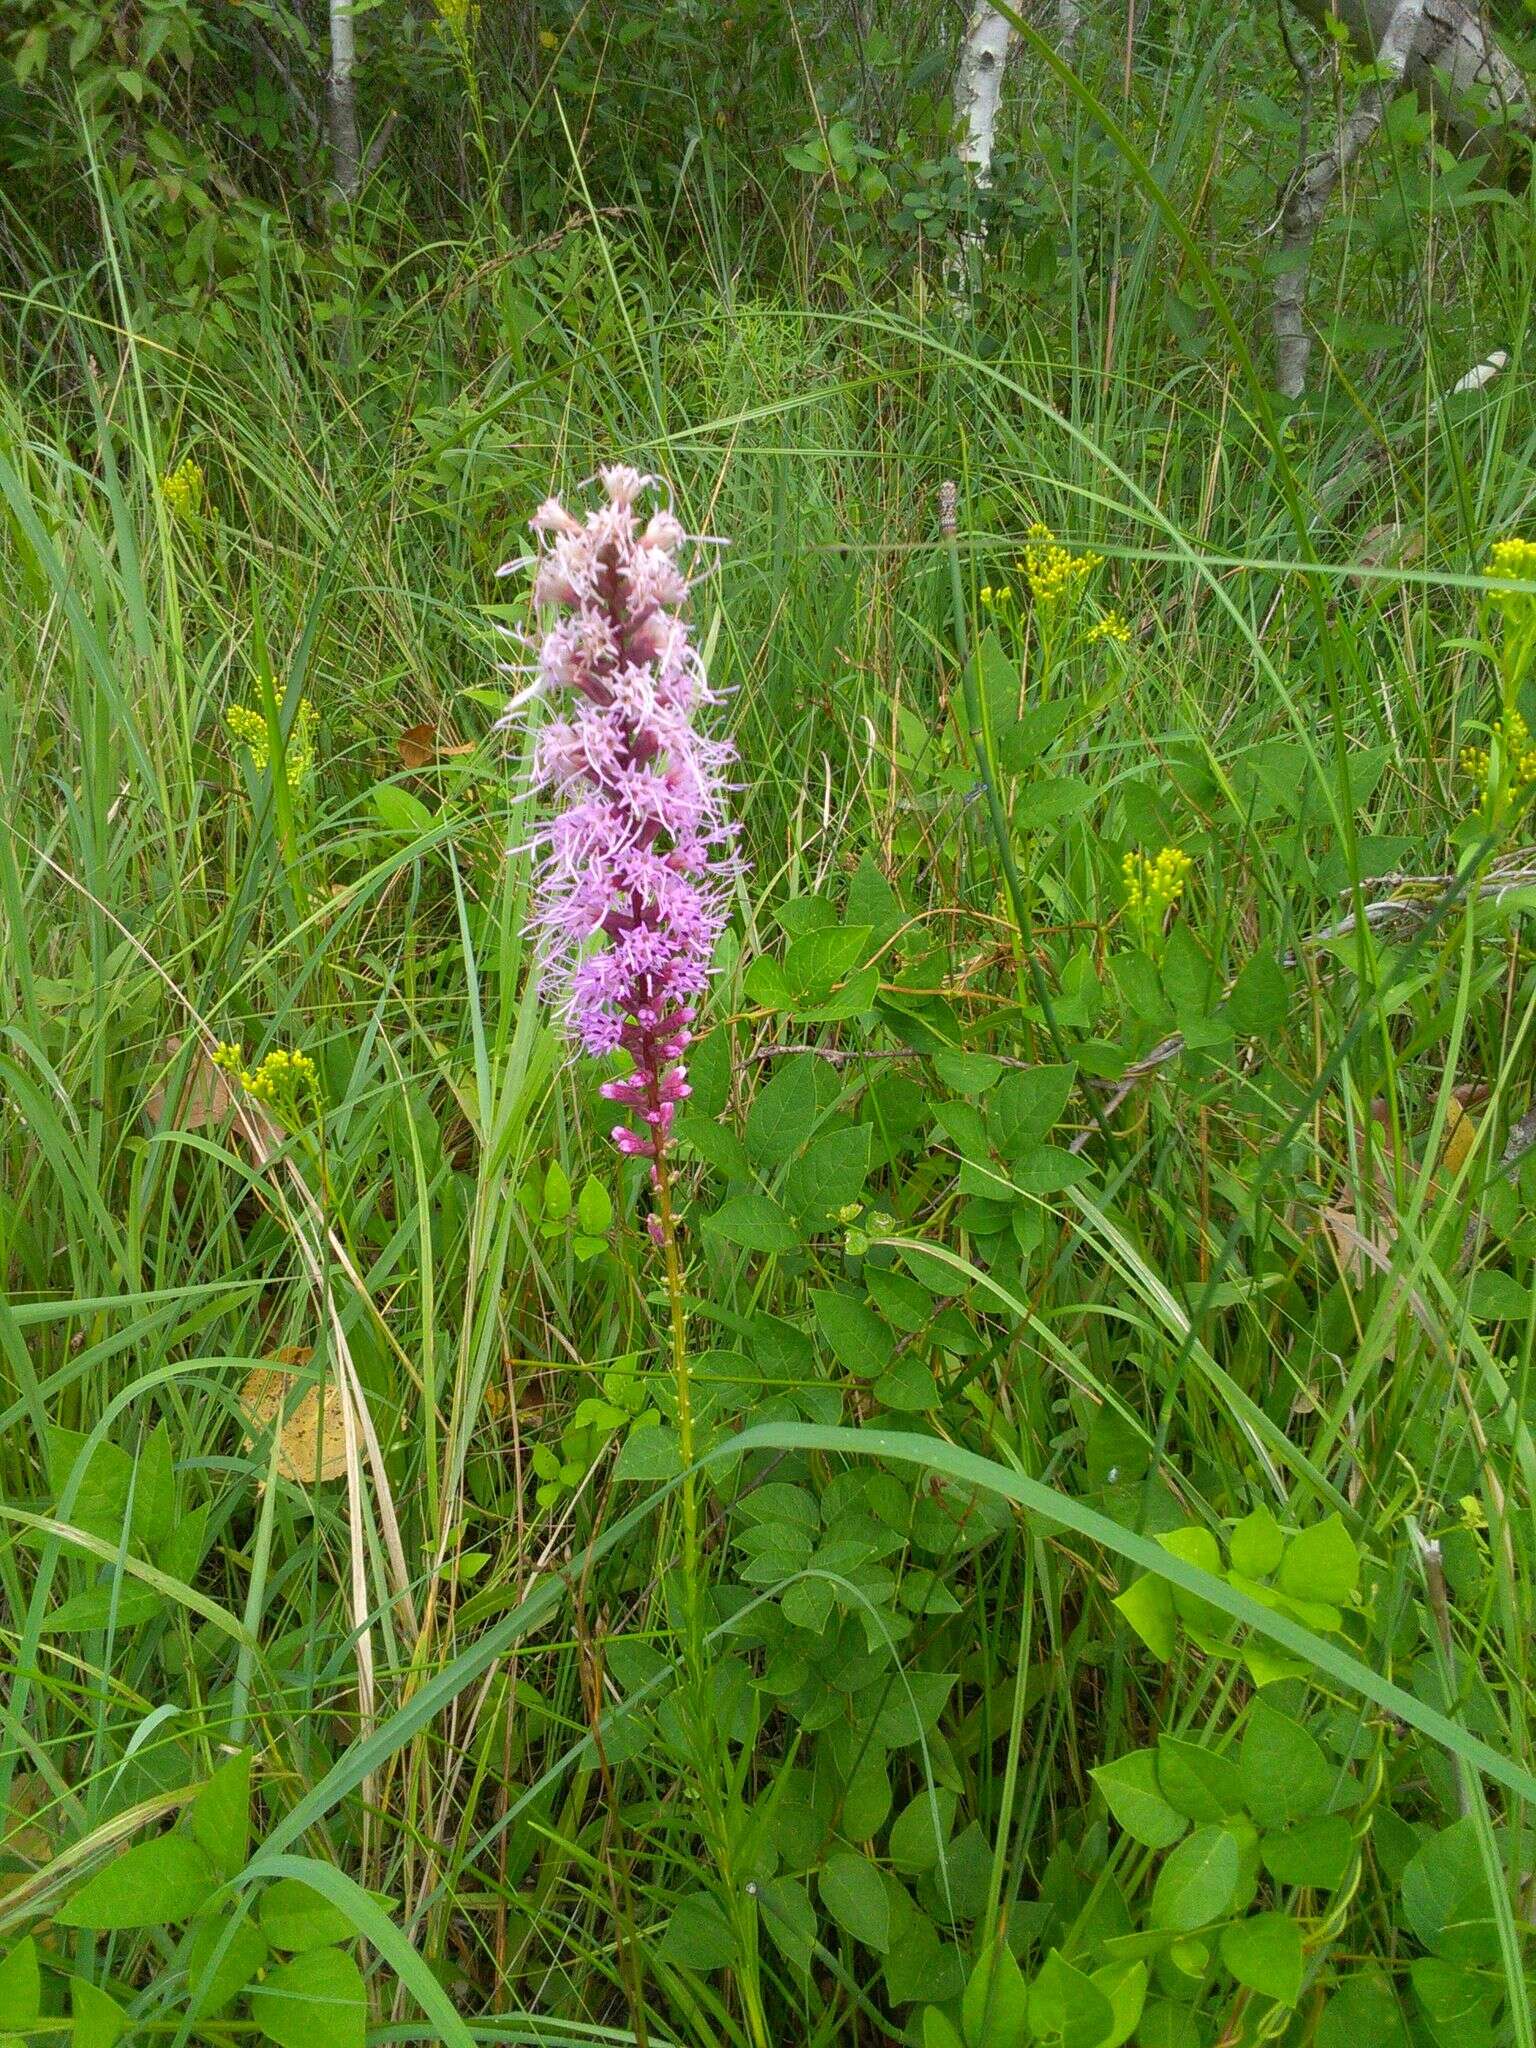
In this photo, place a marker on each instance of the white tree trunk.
(341, 87)
(978, 94)
(1069, 29)
(1455, 64)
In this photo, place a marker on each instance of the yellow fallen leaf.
(311, 1443)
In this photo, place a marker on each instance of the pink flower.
(637, 857)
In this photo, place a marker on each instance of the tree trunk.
(1456, 64)
(341, 90)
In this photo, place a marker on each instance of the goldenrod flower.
(1518, 749)
(1110, 627)
(1154, 883)
(248, 728)
(548, 40)
(183, 490)
(997, 600)
(1054, 574)
(457, 16)
(279, 1081)
(1515, 559)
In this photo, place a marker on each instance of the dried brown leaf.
(417, 745)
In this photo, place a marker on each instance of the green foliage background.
(1111, 1331)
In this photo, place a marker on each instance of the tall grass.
(427, 1651)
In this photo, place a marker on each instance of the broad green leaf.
(151, 1883)
(755, 1222)
(127, 1604)
(716, 1144)
(1198, 1782)
(154, 1492)
(829, 1175)
(399, 811)
(1125, 1986)
(854, 1893)
(1197, 1547)
(1026, 1106)
(557, 1193)
(20, 1986)
(937, 2031)
(1445, 1896)
(994, 2012)
(1133, 1795)
(96, 2018)
(653, 1453)
(1257, 1544)
(790, 1918)
(1147, 1604)
(921, 1829)
(1260, 1000)
(1198, 1882)
(100, 1504)
(316, 2000)
(1264, 1952)
(1315, 1854)
(594, 1209)
(698, 1936)
(783, 1112)
(294, 1917)
(1362, 2013)
(816, 960)
(1285, 1775)
(856, 1336)
(1321, 1564)
(244, 1954)
(221, 1815)
(1068, 2006)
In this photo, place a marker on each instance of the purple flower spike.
(632, 884)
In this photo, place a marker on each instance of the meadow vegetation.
(1106, 1609)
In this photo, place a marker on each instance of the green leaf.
(1197, 1547)
(937, 2031)
(315, 2001)
(1198, 1782)
(1445, 1896)
(716, 1145)
(1260, 1000)
(783, 1114)
(1257, 1544)
(100, 1505)
(920, 1831)
(1133, 1795)
(698, 1935)
(854, 1893)
(399, 811)
(1496, 1297)
(755, 1222)
(168, 1878)
(221, 1815)
(1125, 1986)
(764, 984)
(1315, 1854)
(856, 1336)
(1321, 1563)
(244, 1955)
(97, 2020)
(154, 1492)
(1362, 2013)
(1285, 1775)
(1068, 2006)
(557, 1193)
(654, 1454)
(20, 1987)
(816, 960)
(994, 2012)
(1147, 1604)
(1198, 1882)
(295, 1917)
(1049, 800)
(1264, 1952)
(1026, 1106)
(127, 1604)
(790, 1919)
(829, 1175)
(594, 1211)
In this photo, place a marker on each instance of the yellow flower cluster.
(1154, 883)
(1519, 752)
(1054, 574)
(183, 490)
(548, 40)
(279, 1080)
(1515, 559)
(248, 728)
(1111, 627)
(997, 600)
(457, 16)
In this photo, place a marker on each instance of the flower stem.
(683, 1383)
